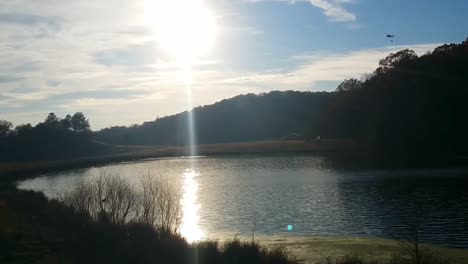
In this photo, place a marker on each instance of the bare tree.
(159, 203)
(149, 193)
(109, 197)
(81, 199)
(410, 242)
(117, 199)
(169, 206)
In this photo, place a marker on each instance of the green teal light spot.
(290, 227)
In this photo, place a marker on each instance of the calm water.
(228, 195)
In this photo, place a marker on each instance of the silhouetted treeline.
(54, 138)
(250, 117)
(410, 108)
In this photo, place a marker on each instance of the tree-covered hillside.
(410, 107)
(250, 117)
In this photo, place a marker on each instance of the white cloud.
(333, 9)
(325, 66)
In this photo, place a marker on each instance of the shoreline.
(337, 150)
(310, 249)
(322, 247)
(13, 171)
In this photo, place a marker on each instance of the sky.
(109, 59)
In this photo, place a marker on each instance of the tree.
(79, 123)
(349, 85)
(51, 119)
(51, 139)
(5, 128)
(21, 129)
(396, 59)
(67, 122)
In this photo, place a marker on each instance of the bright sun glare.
(186, 29)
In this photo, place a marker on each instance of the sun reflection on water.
(190, 206)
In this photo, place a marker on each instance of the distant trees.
(51, 119)
(5, 128)
(79, 122)
(349, 85)
(22, 129)
(249, 117)
(397, 59)
(66, 122)
(410, 109)
(53, 138)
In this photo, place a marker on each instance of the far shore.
(19, 170)
(345, 154)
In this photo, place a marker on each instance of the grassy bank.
(318, 249)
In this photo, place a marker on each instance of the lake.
(298, 195)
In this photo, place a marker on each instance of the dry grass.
(318, 249)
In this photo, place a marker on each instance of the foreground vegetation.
(105, 221)
(110, 220)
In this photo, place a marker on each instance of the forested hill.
(410, 107)
(250, 117)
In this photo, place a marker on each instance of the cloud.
(333, 9)
(246, 30)
(134, 55)
(28, 19)
(9, 79)
(311, 70)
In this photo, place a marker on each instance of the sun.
(186, 29)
